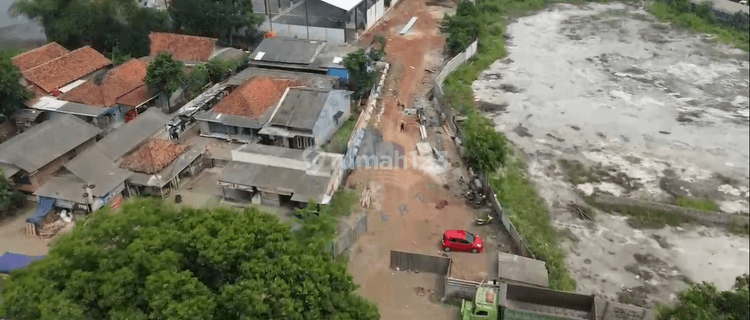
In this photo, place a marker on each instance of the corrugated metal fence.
(407, 261)
(348, 236)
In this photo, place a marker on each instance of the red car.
(462, 240)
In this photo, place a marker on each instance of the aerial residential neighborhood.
(374, 159)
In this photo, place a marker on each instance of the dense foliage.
(212, 72)
(462, 28)
(485, 147)
(361, 72)
(153, 260)
(217, 18)
(8, 198)
(12, 93)
(105, 25)
(701, 18)
(702, 301)
(164, 73)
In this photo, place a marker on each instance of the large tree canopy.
(164, 73)
(217, 18)
(153, 260)
(104, 25)
(702, 301)
(12, 93)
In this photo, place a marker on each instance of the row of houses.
(95, 134)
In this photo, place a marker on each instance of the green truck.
(496, 300)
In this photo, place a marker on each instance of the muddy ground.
(650, 112)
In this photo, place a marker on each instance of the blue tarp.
(342, 73)
(12, 261)
(45, 205)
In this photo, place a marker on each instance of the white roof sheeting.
(345, 5)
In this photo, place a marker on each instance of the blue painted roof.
(45, 205)
(13, 261)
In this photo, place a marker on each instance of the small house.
(32, 157)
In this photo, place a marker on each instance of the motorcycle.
(484, 221)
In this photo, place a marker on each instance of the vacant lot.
(635, 109)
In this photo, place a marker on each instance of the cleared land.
(636, 109)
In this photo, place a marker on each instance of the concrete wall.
(331, 35)
(217, 130)
(325, 126)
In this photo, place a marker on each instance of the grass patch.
(739, 226)
(340, 140)
(579, 174)
(642, 217)
(692, 21)
(528, 213)
(697, 204)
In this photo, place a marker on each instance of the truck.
(498, 300)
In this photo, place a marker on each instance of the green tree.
(8, 198)
(164, 73)
(485, 147)
(463, 27)
(154, 260)
(218, 18)
(102, 24)
(702, 301)
(358, 63)
(12, 93)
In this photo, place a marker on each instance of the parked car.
(462, 240)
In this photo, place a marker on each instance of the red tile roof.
(118, 82)
(65, 69)
(153, 156)
(182, 47)
(35, 57)
(254, 97)
(136, 97)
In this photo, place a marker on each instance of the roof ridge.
(183, 35)
(35, 49)
(60, 57)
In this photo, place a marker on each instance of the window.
(470, 237)
(481, 313)
(454, 240)
(462, 241)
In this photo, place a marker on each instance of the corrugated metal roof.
(132, 134)
(287, 51)
(94, 167)
(46, 142)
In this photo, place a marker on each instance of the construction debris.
(49, 230)
(582, 214)
(365, 200)
(441, 204)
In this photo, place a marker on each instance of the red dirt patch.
(152, 157)
(254, 97)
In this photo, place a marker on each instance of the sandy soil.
(403, 215)
(13, 237)
(666, 110)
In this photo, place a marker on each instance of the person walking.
(402, 125)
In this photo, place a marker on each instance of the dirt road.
(403, 215)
